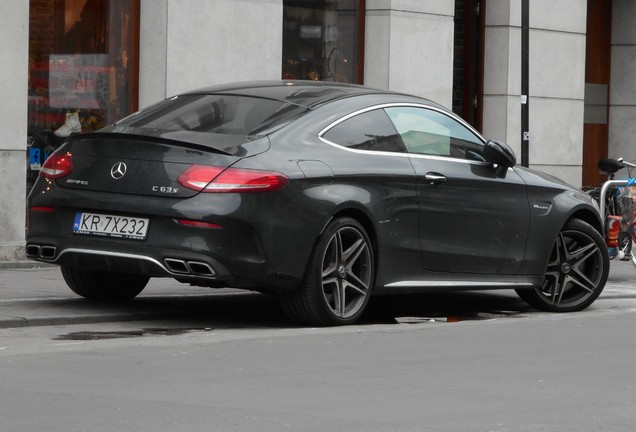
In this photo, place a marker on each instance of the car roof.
(310, 94)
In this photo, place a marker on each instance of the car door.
(470, 220)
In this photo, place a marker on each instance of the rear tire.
(103, 285)
(338, 279)
(576, 272)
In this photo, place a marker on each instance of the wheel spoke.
(329, 281)
(339, 251)
(580, 259)
(583, 253)
(331, 270)
(558, 290)
(353, 252)
(354, 282)
(331, 258)
(339, 302)
(582, 281)
(561, 251)
(554, 289)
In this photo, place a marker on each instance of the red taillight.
(198, 224)
(43, 209)
(197, 177)
(215, 179)
(57, 165)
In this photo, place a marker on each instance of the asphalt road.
(182, 359)
(33, 296)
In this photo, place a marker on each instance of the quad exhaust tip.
(44, 252)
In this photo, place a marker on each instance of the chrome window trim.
(409, 155)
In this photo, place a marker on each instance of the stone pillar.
(502, 72)
(187, 44)
(409, 47)
(622, 111)
(14, 37)
(557, 81)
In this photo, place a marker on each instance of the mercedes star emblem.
(118, 170)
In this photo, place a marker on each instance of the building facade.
(71, 66)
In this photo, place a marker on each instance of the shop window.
(323, 40)
(83, 69)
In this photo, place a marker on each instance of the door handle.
(433, 178)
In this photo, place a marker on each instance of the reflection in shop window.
(320, 40)
(82, 69)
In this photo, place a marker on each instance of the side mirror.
(500, 154)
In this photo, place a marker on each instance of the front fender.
(548, 215)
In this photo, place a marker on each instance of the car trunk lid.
(149, 164)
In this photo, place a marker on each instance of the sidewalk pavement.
(35, 294)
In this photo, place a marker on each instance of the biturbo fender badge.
(541, 208)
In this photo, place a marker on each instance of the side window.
(429, 132)
(367, 131)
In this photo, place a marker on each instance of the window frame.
(452, 116)
(381, 112)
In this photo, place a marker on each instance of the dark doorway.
(597, 79)
(468, 60)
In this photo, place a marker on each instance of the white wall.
(14, 37)
(502, 73)
(556, 81)
(187, 44)
(622, 111)
(409, 47)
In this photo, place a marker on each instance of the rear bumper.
(125, 262)
(228, 257)
(252, 243)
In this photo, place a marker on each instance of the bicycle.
(617, 207)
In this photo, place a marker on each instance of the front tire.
(103, 285)
(576, 272)
(338, 279)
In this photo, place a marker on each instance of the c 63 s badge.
(165, 189)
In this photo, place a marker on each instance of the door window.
(430, 132)
(371, 130)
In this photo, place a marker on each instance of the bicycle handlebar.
(624, 162)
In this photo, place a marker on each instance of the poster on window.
(79, 81)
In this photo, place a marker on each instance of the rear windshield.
(216, 113)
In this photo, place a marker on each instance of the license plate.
(125, 227)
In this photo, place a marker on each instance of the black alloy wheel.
(103, 285)
(576, 272)
(338, 280)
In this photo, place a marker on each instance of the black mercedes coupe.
(320, 193)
